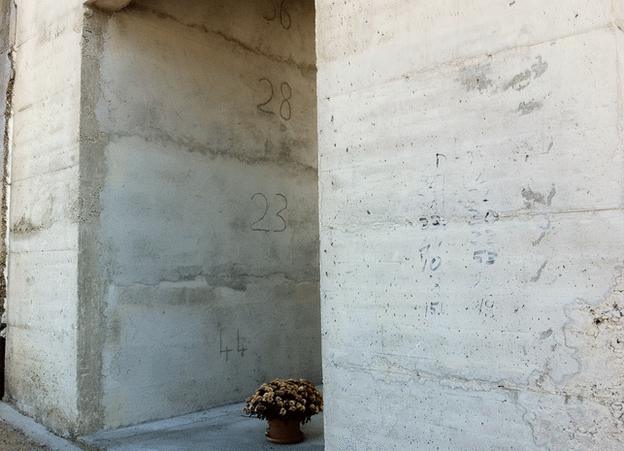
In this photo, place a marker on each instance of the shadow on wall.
(205, 166)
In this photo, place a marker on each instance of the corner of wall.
(91, 289)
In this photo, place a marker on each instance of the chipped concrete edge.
(6, 157)
(91, 275)
(108, 5)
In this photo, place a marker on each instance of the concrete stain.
(475, 78)
(25, 226)
(539, 68)
(529, 107)
(534, 197)
(547, 333)
(538, 276)
(520, 81)
(523, 79)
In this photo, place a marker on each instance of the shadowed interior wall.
(471, 177)
(201, 153)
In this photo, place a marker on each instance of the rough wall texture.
(6, 93)
(42, 289)
(471, 178)
(203, 235)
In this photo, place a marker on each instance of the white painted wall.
(42, 288)
(471, 178)
(198, 308)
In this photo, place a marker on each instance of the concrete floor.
(222, 429)
(21, 433)
(14, 440)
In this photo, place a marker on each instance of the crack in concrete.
(543, 234)
(237, 282)
(353, 227)
(448, 380)
(467, 60)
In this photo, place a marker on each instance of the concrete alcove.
(189, 210)
(164, 226)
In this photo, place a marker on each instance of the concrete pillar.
(471, 179)
(45, 215)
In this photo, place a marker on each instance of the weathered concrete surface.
(6, 92)
(108, 5)
(19, 432)
(42, 288)
(471, 178)
(219, 429)
(146, 278)
(199, 292)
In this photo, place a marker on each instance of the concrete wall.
(471, 178)
(6, 89)
(42, 288)
(201, 298)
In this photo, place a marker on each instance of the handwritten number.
(261, 106)
(434, 221)
(285, 108)
(432, 263)
(279, 213)
(486, 257)
(433, 308)
(285, 19)
(274, 16)
(284, 15)
(256, 226)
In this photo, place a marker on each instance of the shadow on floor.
(222, 429)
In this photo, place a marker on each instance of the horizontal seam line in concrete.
(42, 251)
(44, 101)
(207, 277)
(193, 147)
(457, 219)
(448, 380)
(45, 26)
(468, 384)
(42, 174)
(255, 50)
(472, 58)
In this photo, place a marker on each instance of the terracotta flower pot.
(284, 432)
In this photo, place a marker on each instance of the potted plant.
(285, 404)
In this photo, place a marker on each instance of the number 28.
(285, 109)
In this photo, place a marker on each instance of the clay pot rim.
(292, 424)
